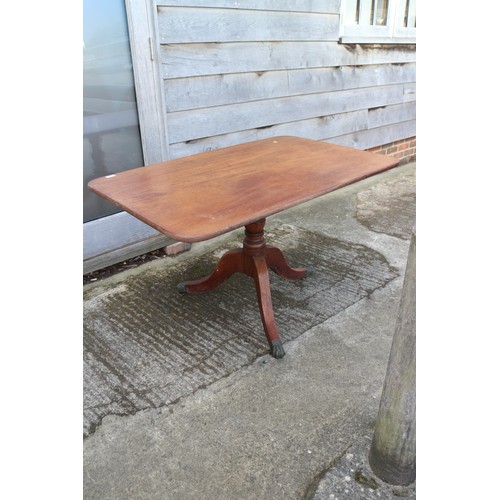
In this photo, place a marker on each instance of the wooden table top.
(202, 196)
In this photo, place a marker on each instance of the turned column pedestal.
(254, 259)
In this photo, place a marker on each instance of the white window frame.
(392, 32)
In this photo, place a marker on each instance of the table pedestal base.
(254, 259)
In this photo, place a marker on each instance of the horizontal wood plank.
(326, 6)
(195, 25)
(321, 128)
(369, 138)
(315, 128)
(410, 90)
(198, 59)
(387, 115)
(216, 90)
(195, 124)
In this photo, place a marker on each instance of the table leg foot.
(277, 350)
(260, 275)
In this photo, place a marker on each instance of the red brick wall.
(405, 150)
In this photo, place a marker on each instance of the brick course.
(405, 150)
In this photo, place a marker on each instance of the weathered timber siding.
(240, 71)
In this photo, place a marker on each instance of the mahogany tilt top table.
(202, 196)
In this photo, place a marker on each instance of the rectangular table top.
(202, 196)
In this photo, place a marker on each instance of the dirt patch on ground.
(106, 272)
(146, 345)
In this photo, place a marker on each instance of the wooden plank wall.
(240, 71)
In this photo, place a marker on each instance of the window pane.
(381, 13)
(350, 13)
(365, 12)
(111, 137)
(410, 20)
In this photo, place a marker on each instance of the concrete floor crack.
(313, 485)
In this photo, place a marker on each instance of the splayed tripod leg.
(254, 259)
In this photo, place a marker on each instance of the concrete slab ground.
(181, 398)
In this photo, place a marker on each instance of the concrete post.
(392, 454)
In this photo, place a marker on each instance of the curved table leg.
(231, 262)
(254, 259)
(277, 263)
(263, 286)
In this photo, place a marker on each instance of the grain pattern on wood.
(315, 128)
(202, 196)
(387, 115)
(324, 127)
(194, 25)
(393, 450)
(325, 6)
(217, 90)
(151, 108)
(196, 59)
(364, 139)
(195, 124)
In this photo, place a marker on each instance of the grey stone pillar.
(392, 454)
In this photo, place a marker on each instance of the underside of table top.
(199, 197)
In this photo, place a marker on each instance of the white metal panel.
(116, 238)
(111, 239)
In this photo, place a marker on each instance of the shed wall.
(239, 71)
